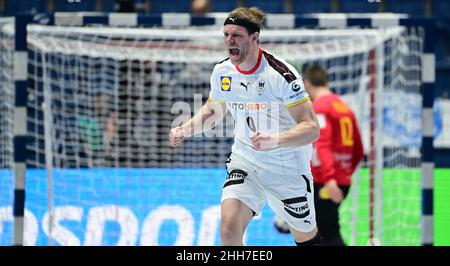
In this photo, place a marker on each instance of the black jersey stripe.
(223, 60)
(280, 67)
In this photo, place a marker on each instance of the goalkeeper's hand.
(177, 136)
(334, 191)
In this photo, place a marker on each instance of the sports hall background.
(439, 9)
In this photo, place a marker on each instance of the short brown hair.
(317, 75)
(252, 14)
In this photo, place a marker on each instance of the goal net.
(6, 126)
(102, 101)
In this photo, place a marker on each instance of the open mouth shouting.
(234, 53)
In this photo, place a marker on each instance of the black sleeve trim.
(280, 67)
(223, 60)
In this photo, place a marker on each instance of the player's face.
(238, 42)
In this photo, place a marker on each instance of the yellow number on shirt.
(346, 130)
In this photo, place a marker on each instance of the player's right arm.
(212, 110)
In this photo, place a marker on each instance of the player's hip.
(269, 174)
(285, 161)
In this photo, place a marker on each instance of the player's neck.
(252, 61)
(321, 91)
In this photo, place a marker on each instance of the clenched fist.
(264, 142)
(177, 136)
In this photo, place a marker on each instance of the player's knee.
(230, 236)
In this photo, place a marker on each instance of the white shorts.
(291, 197)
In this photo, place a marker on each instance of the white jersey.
(258, 101)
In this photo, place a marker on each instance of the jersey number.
(346, 130)
(251, 123)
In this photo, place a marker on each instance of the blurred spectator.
(2, 6)
(200, 7)
(97, 129)
(125, 6)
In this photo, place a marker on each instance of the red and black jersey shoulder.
(280, 67)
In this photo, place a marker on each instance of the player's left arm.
(295, 98)
(307, 129)
(305, 132)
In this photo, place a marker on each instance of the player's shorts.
(291, 197)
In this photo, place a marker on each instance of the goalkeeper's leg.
(327, 217)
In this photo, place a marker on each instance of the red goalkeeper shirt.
(339, 148)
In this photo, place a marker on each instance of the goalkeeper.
(336, 155)
(275, 125)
